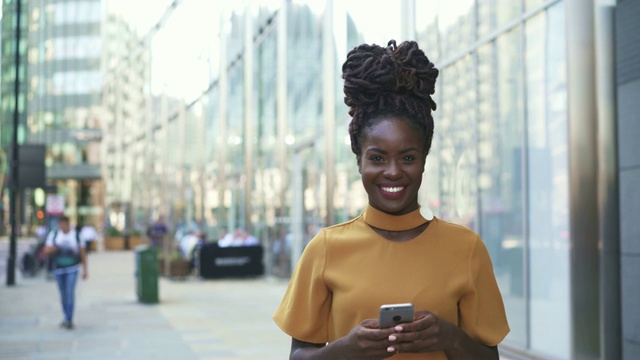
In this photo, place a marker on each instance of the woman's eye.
(376, 158)
(409, 158)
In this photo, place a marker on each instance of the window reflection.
(494, 14)
(457, 152)
(515, 176)
(75, 12)
(455, 26)
(548, 187)
(500, 177)
(77, 47)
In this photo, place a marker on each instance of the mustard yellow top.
(347, 271)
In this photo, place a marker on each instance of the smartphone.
(394, 314)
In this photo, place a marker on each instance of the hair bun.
(373, 73)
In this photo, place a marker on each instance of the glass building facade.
(59, 100)
(502, 154)
(227, 115)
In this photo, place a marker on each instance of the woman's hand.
(365, 341)
(428, 332)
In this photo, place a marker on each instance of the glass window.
(500, 182)
(77, 12)
(76, 82)
(89, 12)
(531, 4)
(457, 151)
(304, 72)
(456, 26)
(61, 13)
(494, 14)
(548, 186)
(427, 30)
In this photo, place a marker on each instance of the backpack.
(65, 258)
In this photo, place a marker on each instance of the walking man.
(68, 254)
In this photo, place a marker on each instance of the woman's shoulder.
(347, 229)
(453, 231)
(342, 226)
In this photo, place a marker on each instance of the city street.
(195, 319)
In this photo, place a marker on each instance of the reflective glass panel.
(548, 184)
(456, 26)
(494, 14)
(457, 151)
(500, 181)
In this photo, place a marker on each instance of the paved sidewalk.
(195, 319)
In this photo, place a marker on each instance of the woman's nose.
(392, 169)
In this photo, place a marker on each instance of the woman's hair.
(392, 81)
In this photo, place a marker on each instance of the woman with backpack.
(68, 254)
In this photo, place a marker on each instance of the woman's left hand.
(428, 332)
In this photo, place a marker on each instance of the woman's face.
(391, 165)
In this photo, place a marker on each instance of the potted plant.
(172, 264)
(113, 239)
(135, 238)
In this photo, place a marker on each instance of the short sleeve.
(83, 241)
(304, 311)
(482, 314)
(49, 240)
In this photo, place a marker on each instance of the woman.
(68, 253)
(391, 253)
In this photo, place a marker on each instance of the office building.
(60, 102)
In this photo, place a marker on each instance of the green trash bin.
(147, 274)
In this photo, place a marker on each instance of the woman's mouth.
(392, 191)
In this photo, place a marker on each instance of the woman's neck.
(384, 221)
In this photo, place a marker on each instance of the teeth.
(393, 189)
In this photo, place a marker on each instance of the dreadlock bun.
(393, 80)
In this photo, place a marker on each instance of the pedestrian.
(68, 254)
(391, 253)
(157, 231)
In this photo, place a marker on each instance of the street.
(195, 319)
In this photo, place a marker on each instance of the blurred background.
(221, 115)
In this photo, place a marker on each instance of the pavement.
(195, 318)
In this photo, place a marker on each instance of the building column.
(583, 180)
(608, 191)
(329, 106)
(248, 115)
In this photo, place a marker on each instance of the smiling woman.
(391, 254)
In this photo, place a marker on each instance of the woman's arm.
(365, 341)
(464, 347)
(303, 350)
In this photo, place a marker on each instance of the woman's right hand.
(365, 341)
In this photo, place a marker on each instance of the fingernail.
(398, 328)
(391, 349)
(392, 338)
